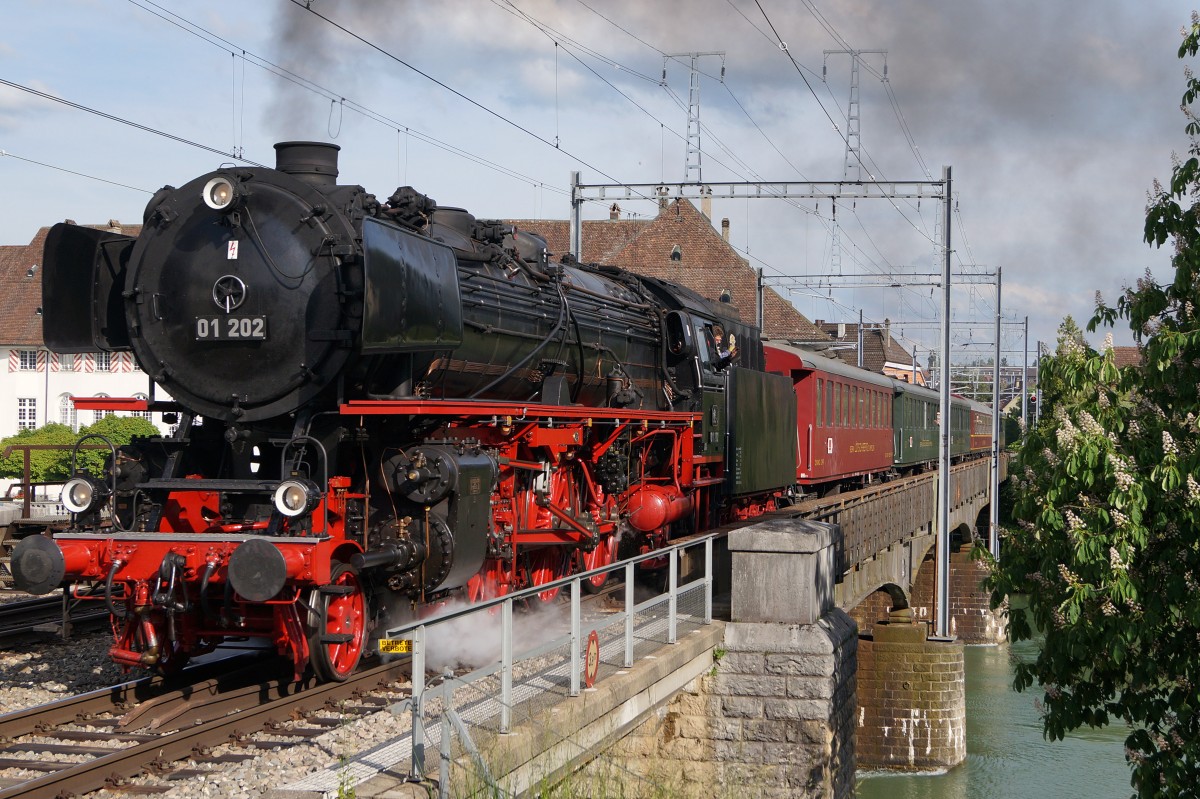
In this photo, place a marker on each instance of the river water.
(1007, 757)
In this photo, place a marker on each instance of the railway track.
(44, 615)
(152, 726)
(104, 738)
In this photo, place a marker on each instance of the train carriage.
(844, 416)
(916, 414)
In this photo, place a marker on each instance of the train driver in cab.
(724, 351)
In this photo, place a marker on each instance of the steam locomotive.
(380, 406)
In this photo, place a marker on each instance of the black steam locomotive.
(381, 406)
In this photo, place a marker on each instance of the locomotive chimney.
(313, 162)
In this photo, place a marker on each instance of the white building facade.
(39, 385)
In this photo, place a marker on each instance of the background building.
(37, 385)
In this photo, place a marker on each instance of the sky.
(1055, 117)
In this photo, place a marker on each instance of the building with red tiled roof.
(881, 353)
(1127, 356)
(38, 384)
(681, 245)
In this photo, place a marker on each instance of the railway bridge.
(819, 662)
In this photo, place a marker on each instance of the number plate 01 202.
(231, 328)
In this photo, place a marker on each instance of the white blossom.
(1121, 471)
(1193, 490)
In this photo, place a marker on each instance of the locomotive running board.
(500, 410)
(190, 538)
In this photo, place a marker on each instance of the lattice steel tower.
(691, 161)
(853, 159)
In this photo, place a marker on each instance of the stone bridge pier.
(827, 664)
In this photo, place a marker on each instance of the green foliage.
(1107, 505)
(45, 466)
(54, 465)
(119, 430)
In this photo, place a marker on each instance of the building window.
(67, 413)
(67, 362)
(26, 413)
(97, 415)
(28, 360)
(103, 361)
(142, 414)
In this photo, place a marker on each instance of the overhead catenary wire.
(307, 84)
(114, 118)
(307, 7)
(6, 154)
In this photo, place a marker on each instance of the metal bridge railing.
(652, 622)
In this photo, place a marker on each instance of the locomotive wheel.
(602, 555)
(545, 566)
(490, 583)
(338, 625)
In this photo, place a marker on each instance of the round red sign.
(591, 663)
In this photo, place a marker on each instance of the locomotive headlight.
(220, 194)
(82, 493)
(294, 497)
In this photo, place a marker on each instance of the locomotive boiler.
(381, 405)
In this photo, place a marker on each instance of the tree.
(45, 466)
(1108, 509)
(54, 465)
(119, 430)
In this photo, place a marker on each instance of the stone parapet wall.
(912, 700)
(774, 718)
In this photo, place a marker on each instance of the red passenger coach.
(844, 425)
(981, 427)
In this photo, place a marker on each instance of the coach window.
(846, 406)
(820, 388)
(828, 404)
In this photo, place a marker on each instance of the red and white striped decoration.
(124, 362)
(41, 360)
(14, 360)
(55, 364)
(89, 362)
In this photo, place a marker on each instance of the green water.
(1007, 757)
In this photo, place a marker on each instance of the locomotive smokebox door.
(83, 275)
